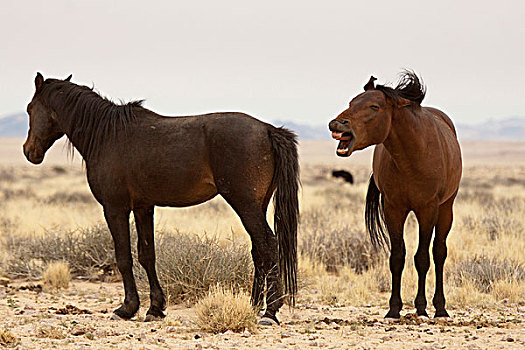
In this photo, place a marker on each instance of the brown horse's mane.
(409, 87)
(93, 119)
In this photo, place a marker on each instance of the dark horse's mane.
(409, 87)
(94, 119)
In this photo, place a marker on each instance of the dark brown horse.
(416, 167)
(136, 159)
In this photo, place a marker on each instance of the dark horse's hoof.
(122, 314)
(154, 314)
(441, 313)
(393, 314)
(268, 322)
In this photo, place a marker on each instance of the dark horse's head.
(43, 126)
(368, 119)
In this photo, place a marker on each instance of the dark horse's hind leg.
(265, 259)
(439, 250)
(395, 220)
(118, 223)
(146, 252)
(427, 218)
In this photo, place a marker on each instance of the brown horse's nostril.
(336, 123)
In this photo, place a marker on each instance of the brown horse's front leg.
(395, 221)
(118, 223)
(427, 218)
(439, 250)
(146, 252)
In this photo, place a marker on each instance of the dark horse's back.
(183, 161)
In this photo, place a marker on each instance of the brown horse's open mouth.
(346, 141)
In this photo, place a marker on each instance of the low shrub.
(224, 309)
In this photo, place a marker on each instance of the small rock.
(285, 335)
(171, 329)
(246, 333)
(508, 338)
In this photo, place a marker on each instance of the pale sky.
(288, 60)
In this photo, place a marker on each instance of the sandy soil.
(78, 318)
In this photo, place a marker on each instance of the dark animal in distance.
(416, 167)
(136, 159)
(343, 174)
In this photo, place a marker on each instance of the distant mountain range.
(14, 125)
(510, 129)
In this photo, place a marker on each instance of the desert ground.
(47, 215)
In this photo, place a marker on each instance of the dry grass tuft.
(83, 249)
(335, 246)
(8, 339)
(223, 309)
(51, 332)
(57, 275)
(484, 272)
(189, 265)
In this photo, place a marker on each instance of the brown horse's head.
(368, 119)
(43, 127)
(365, 122)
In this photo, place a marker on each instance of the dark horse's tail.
(286, 203)
(375, 216)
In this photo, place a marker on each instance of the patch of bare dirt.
(78, 318)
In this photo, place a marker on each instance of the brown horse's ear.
(402, 102)
(39, 82)
(69, 78)
(370, 84)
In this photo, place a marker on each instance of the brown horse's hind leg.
(439, 250)
(395, 220)
(118, 223)
(146, 252)
(427, 218)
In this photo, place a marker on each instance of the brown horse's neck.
(404, 142)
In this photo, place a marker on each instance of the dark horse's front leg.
(395, 221)
(146, 252)
(118, 223)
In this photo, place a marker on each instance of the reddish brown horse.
(136, 159)
(416, 167)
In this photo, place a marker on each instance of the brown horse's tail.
(375, 216)
(286, 203)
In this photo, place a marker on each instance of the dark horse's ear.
(39, 81)
(370, 84)
(69, 78)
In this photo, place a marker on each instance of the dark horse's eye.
(374, 107)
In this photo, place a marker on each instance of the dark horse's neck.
(89, 121)
(404, 142)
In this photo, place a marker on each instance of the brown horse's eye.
(374, 107)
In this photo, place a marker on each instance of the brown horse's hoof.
(442, 313)
(422, 314)
(267, 322)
